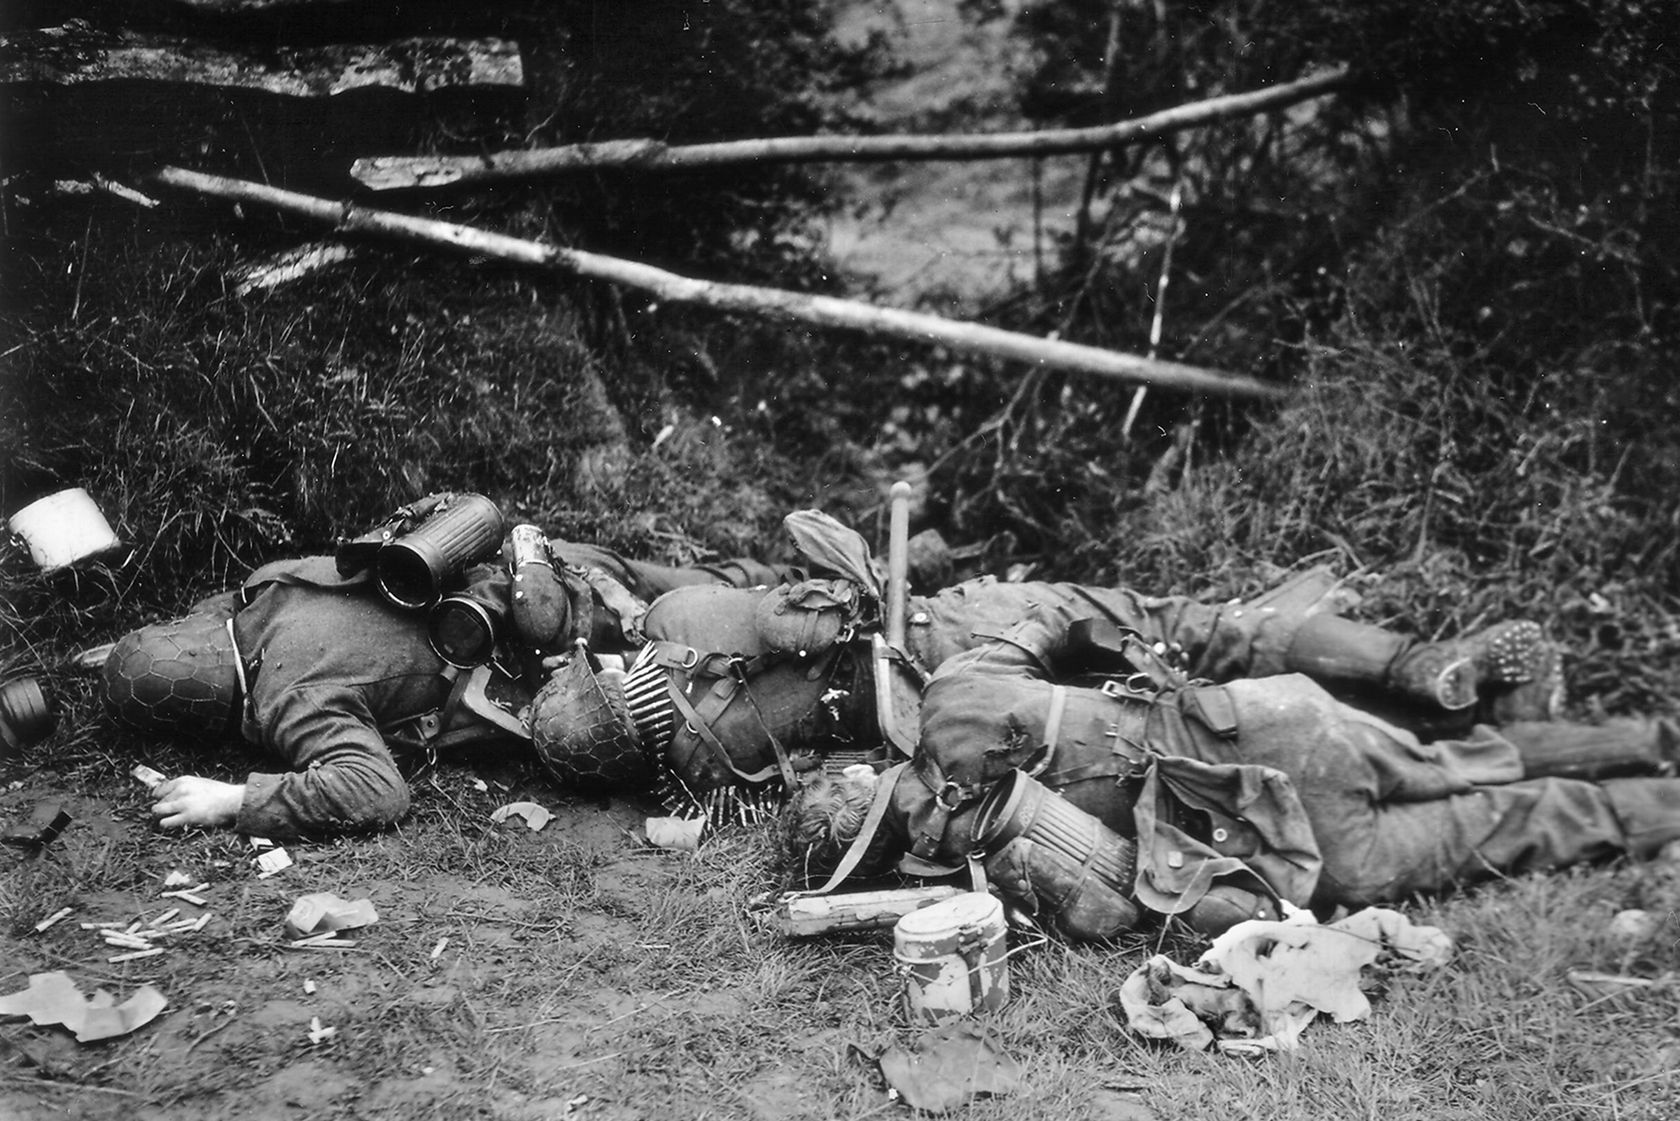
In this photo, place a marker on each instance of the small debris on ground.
(535, 816)
(52, 919)
(322, 912)
(1634, 925)
(53, 998)
(675, 833)
(147, 777)
(42, 827)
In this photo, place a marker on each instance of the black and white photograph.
(839, 560)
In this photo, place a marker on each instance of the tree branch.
(769, 303)
(384, 173)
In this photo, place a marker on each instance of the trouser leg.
(1393, 815)
(1396, 849)
(1595, 751)
(1648, 810)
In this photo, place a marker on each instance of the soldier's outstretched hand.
(190, 801)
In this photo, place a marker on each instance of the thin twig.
(207, 1035)
(73, 1086)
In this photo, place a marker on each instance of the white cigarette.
(52, 918)
(202, 919)
(185, 895)
(322, 941)
(112, 938)
(153, 952)
(438, 949)
(165, 917)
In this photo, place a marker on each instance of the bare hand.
(190, 801)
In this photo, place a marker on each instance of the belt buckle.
(1130, 687)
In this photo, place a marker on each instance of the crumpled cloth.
(1261, 983)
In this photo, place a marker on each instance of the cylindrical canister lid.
(932, 931)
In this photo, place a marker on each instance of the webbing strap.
(783, 763)
(704, 731)
(1052, 727)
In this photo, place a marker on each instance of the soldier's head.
(822, 818)
(582, 728)
(179, 677)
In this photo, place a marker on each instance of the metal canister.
(953, 958)
(413, 569)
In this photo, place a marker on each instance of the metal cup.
(413, 569)
(26, 715)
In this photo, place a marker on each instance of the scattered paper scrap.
(1635, 925)
(946, 1067)
(53, 998)
(535, 816)
(271, 862)
(1261, 983)
(676, 833)
(147, 777)
(481, 786)
(178, 878)
(322, 912)
(54, 918)
(261, 844)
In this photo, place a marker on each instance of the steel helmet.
(178, 677)
(582, 730)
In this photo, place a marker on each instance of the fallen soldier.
(318, 666)
(1216, 800)
(1220, 716)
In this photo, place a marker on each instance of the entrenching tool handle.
(898, 564)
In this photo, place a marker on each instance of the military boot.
(1596, 751)
(1451, 676)
(1648, 810)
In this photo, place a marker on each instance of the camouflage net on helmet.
(179, 677)
(582, 730)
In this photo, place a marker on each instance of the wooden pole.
(385, 173)
(770, 303)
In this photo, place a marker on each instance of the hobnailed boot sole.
(1454, 675)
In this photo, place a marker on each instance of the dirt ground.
(511, 973)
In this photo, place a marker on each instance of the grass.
(580, 964)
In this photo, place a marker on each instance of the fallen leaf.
(946, 1067)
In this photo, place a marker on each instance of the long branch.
(771, 303)
(384, 173)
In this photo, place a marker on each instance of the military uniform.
(1391, 815)
(328, 677)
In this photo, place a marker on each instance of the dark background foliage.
(1462, 266)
